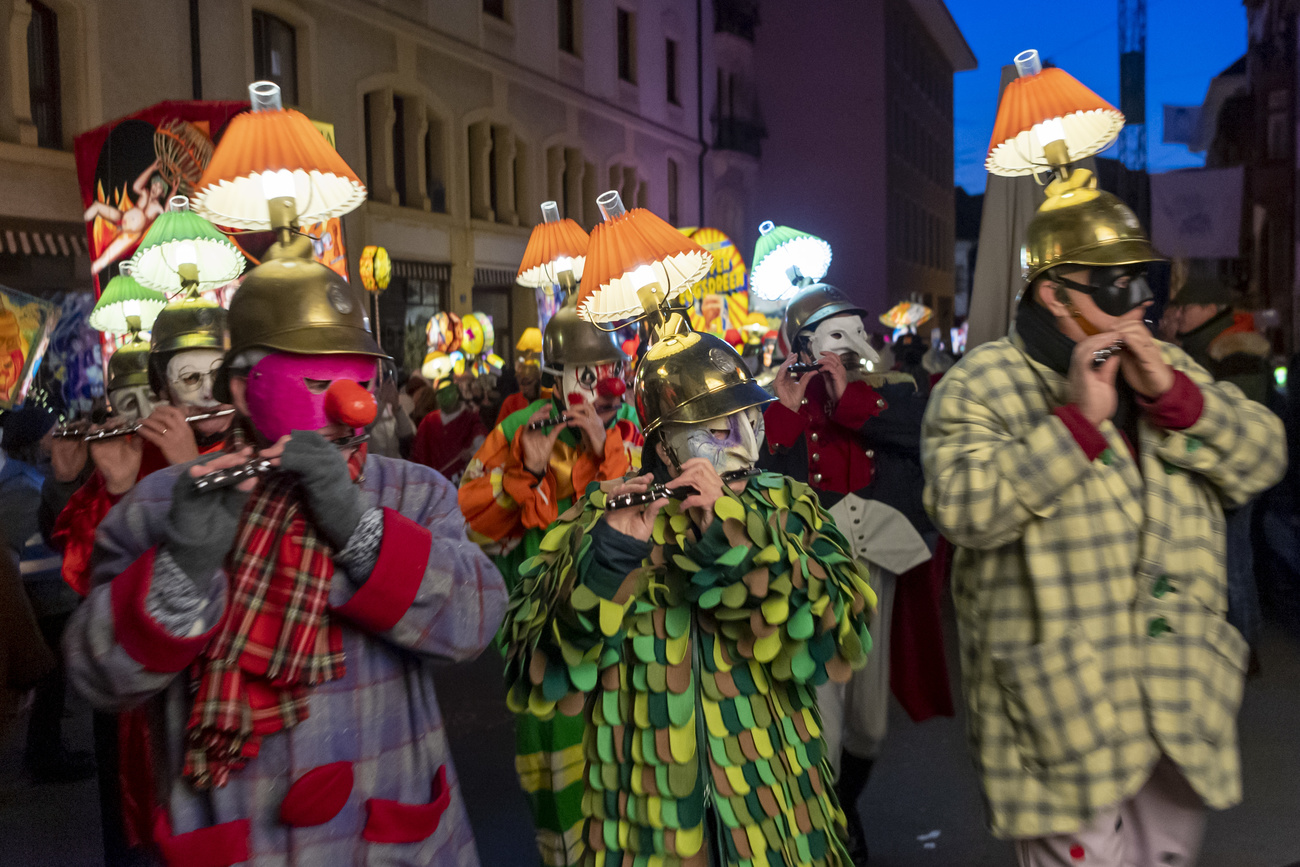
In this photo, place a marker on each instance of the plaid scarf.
(276, 640)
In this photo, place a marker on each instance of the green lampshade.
(781, 249)
(123, 297)
(180, 235)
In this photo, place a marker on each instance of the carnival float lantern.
(787, 260)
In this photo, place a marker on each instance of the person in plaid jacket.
(1081, 468)
(282, 630)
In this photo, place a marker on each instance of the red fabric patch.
(140, 636)
(317, 796)
(1178, 408)
(1076, 852)
(218, 846)
(395, 822)
(390, 590)
(1085, 433)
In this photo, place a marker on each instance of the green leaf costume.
(697, 673)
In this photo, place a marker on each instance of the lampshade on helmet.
(129, 367)
(693, 377)
(190, 323)
(1084, 226)
(295, 305)
(812, 305)
(569, 340)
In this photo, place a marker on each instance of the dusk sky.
(1188, 43)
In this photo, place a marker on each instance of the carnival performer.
(525, 474)
(159, 386)
(281, 630)
(451, 435)
(694, 631)
(1081, 468)
(528, 376)
(855, 437)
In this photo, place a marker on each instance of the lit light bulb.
(1050, 130)
(562, 264)
(278, 185)
(643, 277)
(187, 253)
(131, 307)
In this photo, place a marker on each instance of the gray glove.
(201, 528)
(334, 501)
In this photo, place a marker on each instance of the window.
(495, 8)
(435, 162)
(43, 75)
(399, 148)
(275, 54)
(626, 46)
(498, 173)
(673, 214)
(368, 106)
(568, 26)
(670, 59)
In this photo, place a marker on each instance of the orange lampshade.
(629, 250)
(1088, 122)
(275, 152)
(549, 243)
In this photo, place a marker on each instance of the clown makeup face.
(729, 443)
(584, 381)
(846, 337)
(286, 392)
(132, 403)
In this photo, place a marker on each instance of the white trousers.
(1161, 826)
(855, 715)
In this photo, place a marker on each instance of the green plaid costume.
(698, 675)
(1091, 595)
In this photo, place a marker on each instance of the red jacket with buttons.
(837, 462)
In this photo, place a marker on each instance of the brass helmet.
(812, 305)
(295, 305)
(569, 340)
(190, 323)
(1082, 225)
(129, 367)
(692, 377)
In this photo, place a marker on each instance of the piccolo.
(549, 422)
(127, 430)
(658, 492)
(799, 368)
(230, 476)
(1101, 356)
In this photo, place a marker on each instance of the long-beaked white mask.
(846, 337)
(729, 443)
(133, 402)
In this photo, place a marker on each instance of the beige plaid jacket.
(1090, 595)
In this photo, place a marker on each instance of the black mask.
(1110, 297)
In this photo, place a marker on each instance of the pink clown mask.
(288, 392)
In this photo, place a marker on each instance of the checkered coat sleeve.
(1091, 594)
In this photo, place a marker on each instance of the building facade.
(859, 146)
(462, 116)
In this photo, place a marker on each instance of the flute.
(218, 479)
(799, 368)
(658, 492)
(1101, 356)
(132, 428)
(549, 422)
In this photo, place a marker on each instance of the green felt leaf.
(801, 623)
(677, 621)
(735, 595)
(686, 563)
(554, 537)
(732, 556)
(770, 554)
(729, 507)
(584, 676)
(710, 598)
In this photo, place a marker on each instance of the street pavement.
(921, 809)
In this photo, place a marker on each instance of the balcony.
(737, 17)
(739, 134)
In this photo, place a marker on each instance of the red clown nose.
(348, 403)
(611, 387)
